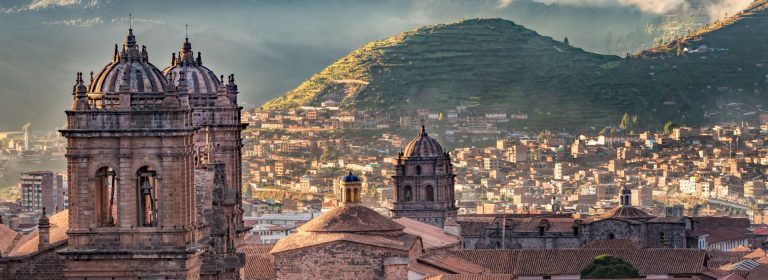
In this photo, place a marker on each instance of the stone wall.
(336, 260)
(46, 265)
(673, 235)
(612, 229)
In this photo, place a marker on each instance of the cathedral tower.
(135, 209)
(424, 182)
(217, 145)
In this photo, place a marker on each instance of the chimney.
(43, 227)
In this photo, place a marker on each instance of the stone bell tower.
(424, 182)
(130, 159)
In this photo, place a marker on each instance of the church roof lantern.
(198, 78)
(129, 70)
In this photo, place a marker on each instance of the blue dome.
(350, 178)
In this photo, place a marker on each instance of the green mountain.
(497, 65)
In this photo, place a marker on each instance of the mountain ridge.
(500, 65)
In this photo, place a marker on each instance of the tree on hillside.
(609, 267)
(628, 123)
(669, 126)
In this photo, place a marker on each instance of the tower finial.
(130, 21)
(186, 32)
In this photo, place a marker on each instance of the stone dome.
(129, 70)
(423, 146)
(350, 178)
(198, 78)
(627, 212)
(351, 219)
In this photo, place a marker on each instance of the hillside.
(502, 66)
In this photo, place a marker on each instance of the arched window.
(146, 186)
(106, 208)
(418, 169)
(407, 193)
(430, 193)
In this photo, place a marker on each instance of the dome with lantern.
(198, 79)
(129, 71)
(423, 146)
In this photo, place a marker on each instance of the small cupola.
(626, 197)
(350, 189)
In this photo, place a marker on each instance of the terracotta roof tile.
(259, 264)
(470, 277)
(58, 232)
(572, 261)
(756, 254)
(8, 239)
(432, 237)
(612, 244)
(759, 273)
(451, 263)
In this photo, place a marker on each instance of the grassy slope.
(500, 65)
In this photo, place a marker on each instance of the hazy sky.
(271, 45)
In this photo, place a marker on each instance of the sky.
(270, 45)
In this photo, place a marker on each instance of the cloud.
(45, 4)
(726, 7)
(716, 8)
(76, 22)
(649, 6)
(149, 22)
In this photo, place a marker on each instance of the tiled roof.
(452, 264)
(496, 261)
(717, 258)
(432, 237)
(259, 264)
(572, 261)
(350, 218)
(758, 273)
(8, 239)
(58, 232)
(470, 277)
(612, 244)
(756, 254)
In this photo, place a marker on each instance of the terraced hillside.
(503, 66)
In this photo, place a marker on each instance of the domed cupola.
(423, 146)
(350, 178)
(199, 79)
(129, 71)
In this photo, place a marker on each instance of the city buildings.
(43, 189)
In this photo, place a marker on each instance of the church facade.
(560, 231)
(424, 182)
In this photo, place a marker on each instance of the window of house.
(430, 193)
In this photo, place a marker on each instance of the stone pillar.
(43, 227)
